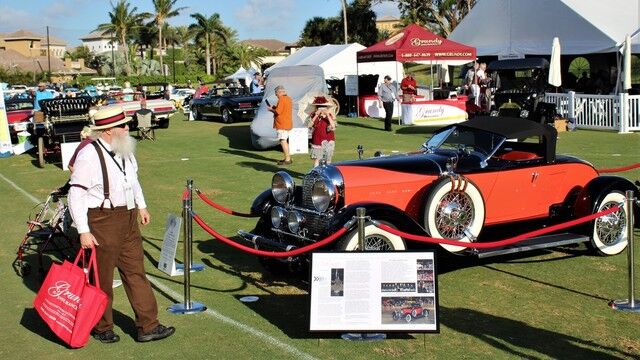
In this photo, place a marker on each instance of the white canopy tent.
(514, 28)
(339, 60)
(242, 74)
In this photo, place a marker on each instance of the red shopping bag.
(68, 303)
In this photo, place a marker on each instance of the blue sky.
(263, 19)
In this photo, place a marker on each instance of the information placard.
(299, 141)
(167, 263)
(374, 291)
(351, 85)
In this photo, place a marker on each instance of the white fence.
(611, 112)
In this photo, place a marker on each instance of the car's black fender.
(262, 203)
(597, 189)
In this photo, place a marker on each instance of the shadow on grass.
(514, 337)
(239, 136)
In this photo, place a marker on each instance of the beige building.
(32, 45)
(100, 42)
(387, 23)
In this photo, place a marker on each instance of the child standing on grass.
(323, 124)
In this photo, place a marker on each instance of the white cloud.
(12, 19)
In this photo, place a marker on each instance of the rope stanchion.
(619, 169)
(282, 254)
(629, 304)
(494, 244)
(209, 202)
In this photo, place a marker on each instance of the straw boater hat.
(322, 101)
(109, 117)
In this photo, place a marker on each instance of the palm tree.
(123, 21)
(248, 55)
(164, 9)
(206, 29)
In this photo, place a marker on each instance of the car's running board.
(541, 242)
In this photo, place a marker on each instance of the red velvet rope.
(253, 251)
(222, 208)
(494, 244)
(620, 169)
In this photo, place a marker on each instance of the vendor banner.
(6, 149)
(433, 113)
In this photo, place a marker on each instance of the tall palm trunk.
(160, 47)
(125, 47)
(207, 54)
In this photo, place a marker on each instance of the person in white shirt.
(105, 201)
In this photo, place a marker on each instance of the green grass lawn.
(551, 304)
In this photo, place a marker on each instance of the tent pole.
(357, 93)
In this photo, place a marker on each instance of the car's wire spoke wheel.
(454, 210)
(375, 239)
(454, 214)
(609, 235)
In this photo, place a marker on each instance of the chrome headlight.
(524, 114)
(323, 194)
(493, 113)
(294, 221)
(277, 216)
(282, 185)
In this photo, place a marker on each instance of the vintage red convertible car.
(19, 114)
(410, 312)
(468, 181)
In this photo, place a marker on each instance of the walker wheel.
(24, 269)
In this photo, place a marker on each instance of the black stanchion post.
(361, 217)
(630, 303)
(188, 307)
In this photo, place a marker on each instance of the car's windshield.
(464, 139)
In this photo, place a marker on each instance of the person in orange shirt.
(283, 121)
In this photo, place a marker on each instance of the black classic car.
(229, 103)
(520, 87)
(468, 181)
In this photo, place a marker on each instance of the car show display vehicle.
(520, 88)
(19, 115)
(162, 109)
(229, 103)
(62, 122)
(468, 180)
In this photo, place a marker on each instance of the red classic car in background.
(469, 182)
(19, 114)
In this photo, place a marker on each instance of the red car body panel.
(529, 191)
(18, 116)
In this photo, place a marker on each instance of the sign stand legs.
(188, 307)
(360, 216)
(628, 304)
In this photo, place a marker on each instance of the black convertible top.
(516, 64)
(516, 128)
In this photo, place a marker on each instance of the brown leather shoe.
(158, 333)
(285, 162)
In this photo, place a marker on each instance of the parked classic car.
(469, 178)
(19, 115)
(162, 109)
(520, 87)
(229, 103)
(408, 313)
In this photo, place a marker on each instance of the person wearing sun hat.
(105, 201)
(323, 124)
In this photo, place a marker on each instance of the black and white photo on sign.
(337, 282)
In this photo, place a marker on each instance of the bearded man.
(105, 201)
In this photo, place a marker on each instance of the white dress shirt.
(87, 188)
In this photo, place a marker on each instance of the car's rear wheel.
(227, 117)
(609, 236)
(196, 114)
(375, 239)
(454, 210)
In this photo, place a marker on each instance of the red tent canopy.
(416, 43)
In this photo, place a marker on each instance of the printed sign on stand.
(6, 149)
(167, 263)
(374, 291)
(299, 141)
(351, 85)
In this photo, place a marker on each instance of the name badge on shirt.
(128, 194)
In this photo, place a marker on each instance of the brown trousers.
(118, 234)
